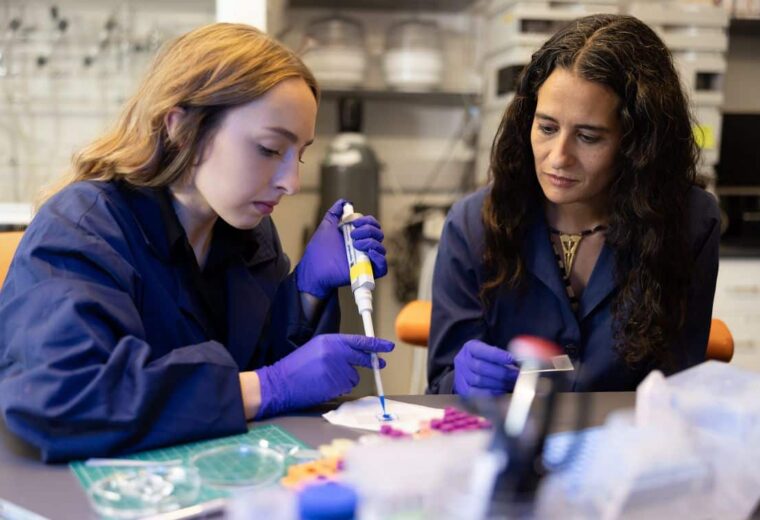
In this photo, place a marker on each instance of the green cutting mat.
(275, 435)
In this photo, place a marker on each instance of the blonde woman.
(150, 301)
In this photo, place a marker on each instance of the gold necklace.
(570, 242)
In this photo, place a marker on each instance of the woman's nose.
(288, 179)
(562, 154)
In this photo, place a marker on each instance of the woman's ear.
(172, 121)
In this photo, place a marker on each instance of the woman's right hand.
(321, 369)
(482, 369)
(323, 267)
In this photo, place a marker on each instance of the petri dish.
(137, 492)
(239, 465)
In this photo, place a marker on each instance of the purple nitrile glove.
(321, 369)
(324, 266)
(481, 369)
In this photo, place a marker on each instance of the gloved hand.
(481, 369)
(321, 369)
(324, 266)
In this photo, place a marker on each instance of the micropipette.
(362, 284)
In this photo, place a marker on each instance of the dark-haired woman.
(593, 232)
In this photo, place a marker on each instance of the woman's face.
(575, 138)
(252, 160)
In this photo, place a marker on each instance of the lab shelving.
(432, 97)
(386, 5)
(415, 133)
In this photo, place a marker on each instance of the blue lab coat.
(543, 309)
(103, 348)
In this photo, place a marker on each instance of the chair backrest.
(720, 345)
(8, 243)
(413, 322)
(413, 326)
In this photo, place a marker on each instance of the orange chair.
(8, 243)
(720, 346)
(413, 326)
(413, 322)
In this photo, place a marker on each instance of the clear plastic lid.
(138, 492)
(240, 465)
(413, 34)
(336, 31)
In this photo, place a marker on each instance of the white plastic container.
(335, 51)
(413, 58)
(338, 67)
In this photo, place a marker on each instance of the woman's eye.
(268, 152)
(590, 139)
(548, 130)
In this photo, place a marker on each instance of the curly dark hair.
(655, 168)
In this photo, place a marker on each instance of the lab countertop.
(15, 215)
(735, 250)
(54, 492)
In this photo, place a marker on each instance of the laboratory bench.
(54, 492)
(728, 251)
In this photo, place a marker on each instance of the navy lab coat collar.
(538, 255)
(244, 320)
(227, 242)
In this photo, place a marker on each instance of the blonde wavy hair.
(205, 72)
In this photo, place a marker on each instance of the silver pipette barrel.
(369, 331)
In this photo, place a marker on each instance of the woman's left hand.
(324, 266)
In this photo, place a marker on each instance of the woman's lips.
(560, 182)
(265, 208)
